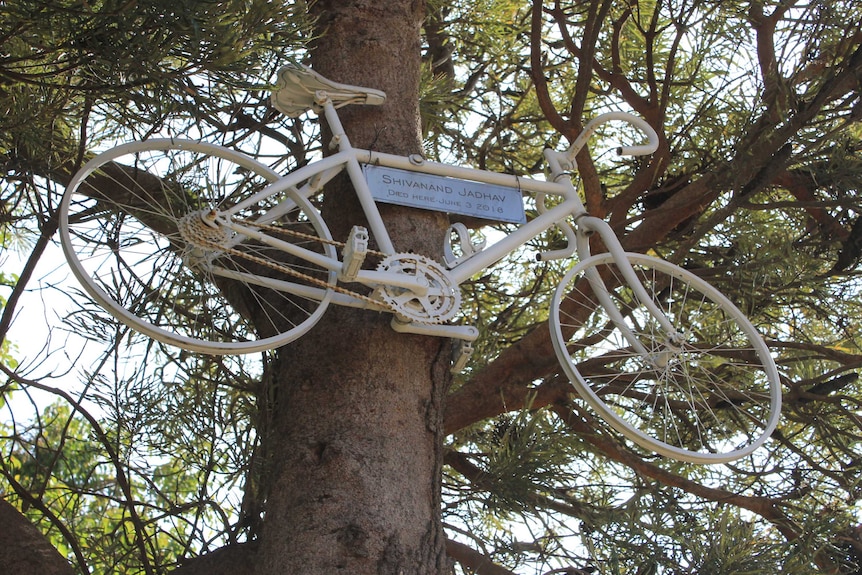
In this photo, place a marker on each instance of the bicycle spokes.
(707, 391)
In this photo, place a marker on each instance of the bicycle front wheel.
(131, 231)
(708, 392)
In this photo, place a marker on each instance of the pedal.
(460, 355)
(354, 254)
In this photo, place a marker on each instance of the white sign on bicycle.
(445, 194)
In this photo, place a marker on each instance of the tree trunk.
(356, 432)
(23, 548)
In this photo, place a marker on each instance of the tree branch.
(504, 384)
(775, 93)
(537, 73)
(762, 506)
(801, 185)
(473, 560)
(236, 559)
(23, 548)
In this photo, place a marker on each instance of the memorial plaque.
(445, 194)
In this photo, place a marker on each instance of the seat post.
(339, 138)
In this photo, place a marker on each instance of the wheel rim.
(121, 221)
(708, 393)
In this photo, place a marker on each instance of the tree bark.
(23, 548)
(356, 422)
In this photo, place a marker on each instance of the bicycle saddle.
(297, 89)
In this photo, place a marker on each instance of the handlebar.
(561, 161)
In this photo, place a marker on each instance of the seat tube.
(372, 214)
(357, 179)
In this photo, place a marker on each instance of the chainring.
(439, 304)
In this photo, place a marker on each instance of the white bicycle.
(204, 248)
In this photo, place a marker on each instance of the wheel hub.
(205, 239)
(200, 229)
(669, 352)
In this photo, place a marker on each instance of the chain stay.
(378, 302)
(287, 270)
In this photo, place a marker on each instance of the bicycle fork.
(674, 341)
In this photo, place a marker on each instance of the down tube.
(513, 241)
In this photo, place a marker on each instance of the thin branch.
(103, 438)
(47, 231)
(479, 479)
(762, 506)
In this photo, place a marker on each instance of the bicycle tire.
(120, 229)
(710, 393)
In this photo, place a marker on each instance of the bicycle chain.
(304, 236)
(204, 240)
(290, 271)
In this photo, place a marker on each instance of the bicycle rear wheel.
(124, 225)
(708, 393)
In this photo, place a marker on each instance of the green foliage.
(70, 69)
(160, 475)
(164, 454)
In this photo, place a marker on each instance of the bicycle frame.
(146, 226)
(307, 180)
